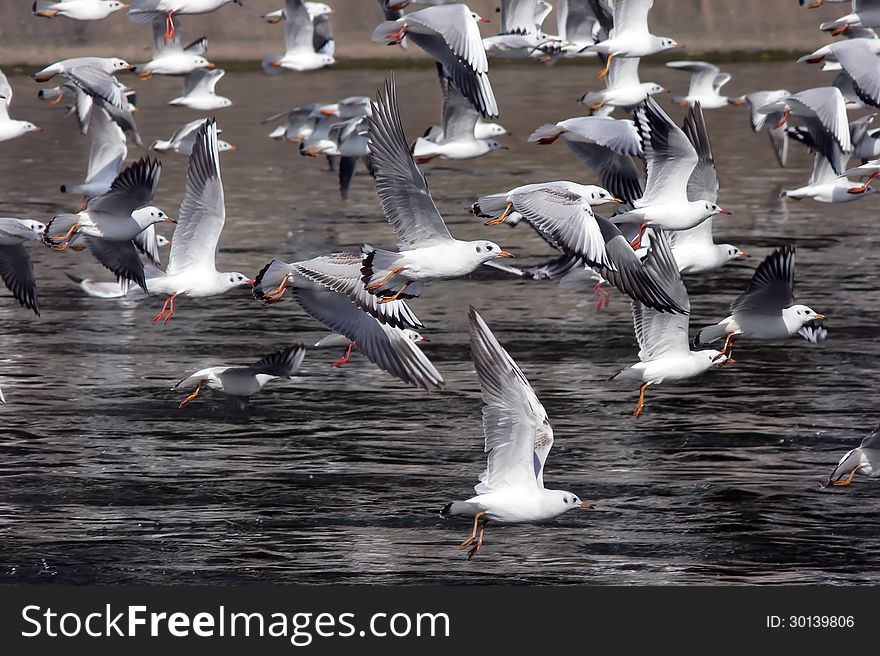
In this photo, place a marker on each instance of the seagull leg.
(728, 344)
(192, 396)
(376, 285)
(48, 13)
(473, 535)
(782, 120)
(479, 544)
(170, 32)
(57, 99)
(278, 292)
(345, 358)
(396, 294)
(840, 30)
(169, 305)
(862, 188)
(500, 219)
(604, 72)
(637, 242)
(640, 406)
(62, 243)
(603, 296)
(849, 478)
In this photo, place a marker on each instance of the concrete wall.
(236, 33)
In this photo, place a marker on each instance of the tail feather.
(377, 265)
(424, 148)
(59, 226)
(268, 68)
(709, 334)
(457, 508)
(384, 30)
(545, 134)
(488, 207)
(42, 5)
(270, 277)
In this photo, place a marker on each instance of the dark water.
(338, 476)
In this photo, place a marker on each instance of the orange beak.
(169, 219)
(585, 504)
(820, 316)
(505, 254)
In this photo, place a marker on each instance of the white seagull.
(773, 123)
(145, 11)
(172, 57)
(520, 35)
(183, 139)
(450, 34)
(427, 250)
(241, 383)
(864, 459)
(623, 87)
(865, 13)
(301, 52)
(664, 351)
(671, 159)
(518, 439)
(198, 91)
(10, 128)
(766, 309)
(192, 268)
(84, 10)
(106, 156)
(630, 36)
(705, 87)
(15, 263)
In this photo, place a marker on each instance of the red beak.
(725, 212)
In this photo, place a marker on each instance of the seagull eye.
(488, 247)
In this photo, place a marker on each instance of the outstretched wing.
(771, 288)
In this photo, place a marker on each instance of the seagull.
(623, 87)
(520, 35)
(706, 82)
(84, 10)
(458, 140)
(671, 159)
(241, 383)
(865, 13)
(827, 54)
(15, 263)
(114, 223)
(450, 34)
(171, 57)
(427, 250)
(518, 439)
(93, 77)
(106, 157)
(864, 459)
(860, 61)
(604, 144)
(561, 212)
(315, 9)
(822, 111)
(192, 269)
(183, 139)
(630, 36)
(329, 289)
(352, 145)
(10, 128)
(773, 122)
(664, 352)
(335, 340)
(577, 27)
(144, 11)
(300, 123)
(766, 309)
(301, 52)
(695, 250)
(198, 91)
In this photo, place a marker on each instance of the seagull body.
(825, 186)
(865, 14)
(604, 144)
(301, 52)
(192, 269)
(664, 352)
(84, 10)
(766, 310)
(330, 290)
(518, 439)
(427, 249)
(864, 459)
(198, 91)
(450, 34)
(561, 212)
(520, 35)
(10, 128)
(624, 88)
(244, 382)
(671, 159)
(184, 138)
(705, 87)
(630, 36)
(15, 263)
(145, 11)
(106, 156)
(171, 57)
(773, 122)
(458, 140)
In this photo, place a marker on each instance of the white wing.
(631, 16)
(202, 212)
(109, 149)
(515, 425)
(703, 76)
(298, 27)
(670, 156)
(6, 100)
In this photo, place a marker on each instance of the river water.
(337, 476)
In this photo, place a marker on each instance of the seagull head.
(149, 215)
(596, 195)
(731, 252)
(236, 279)
(652, 88)
(712, 209)
(491, 144)
(120, 65)
(567, 500)
(414, 337)
(30, 127)
(35, 226)
(667, 43)
(798, 315)
(489, 250)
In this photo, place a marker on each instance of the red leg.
(782, 120)
(171, 309)
(169, 27)
(863, 187)
(637, 242)
(169, 305)
(345, 358)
